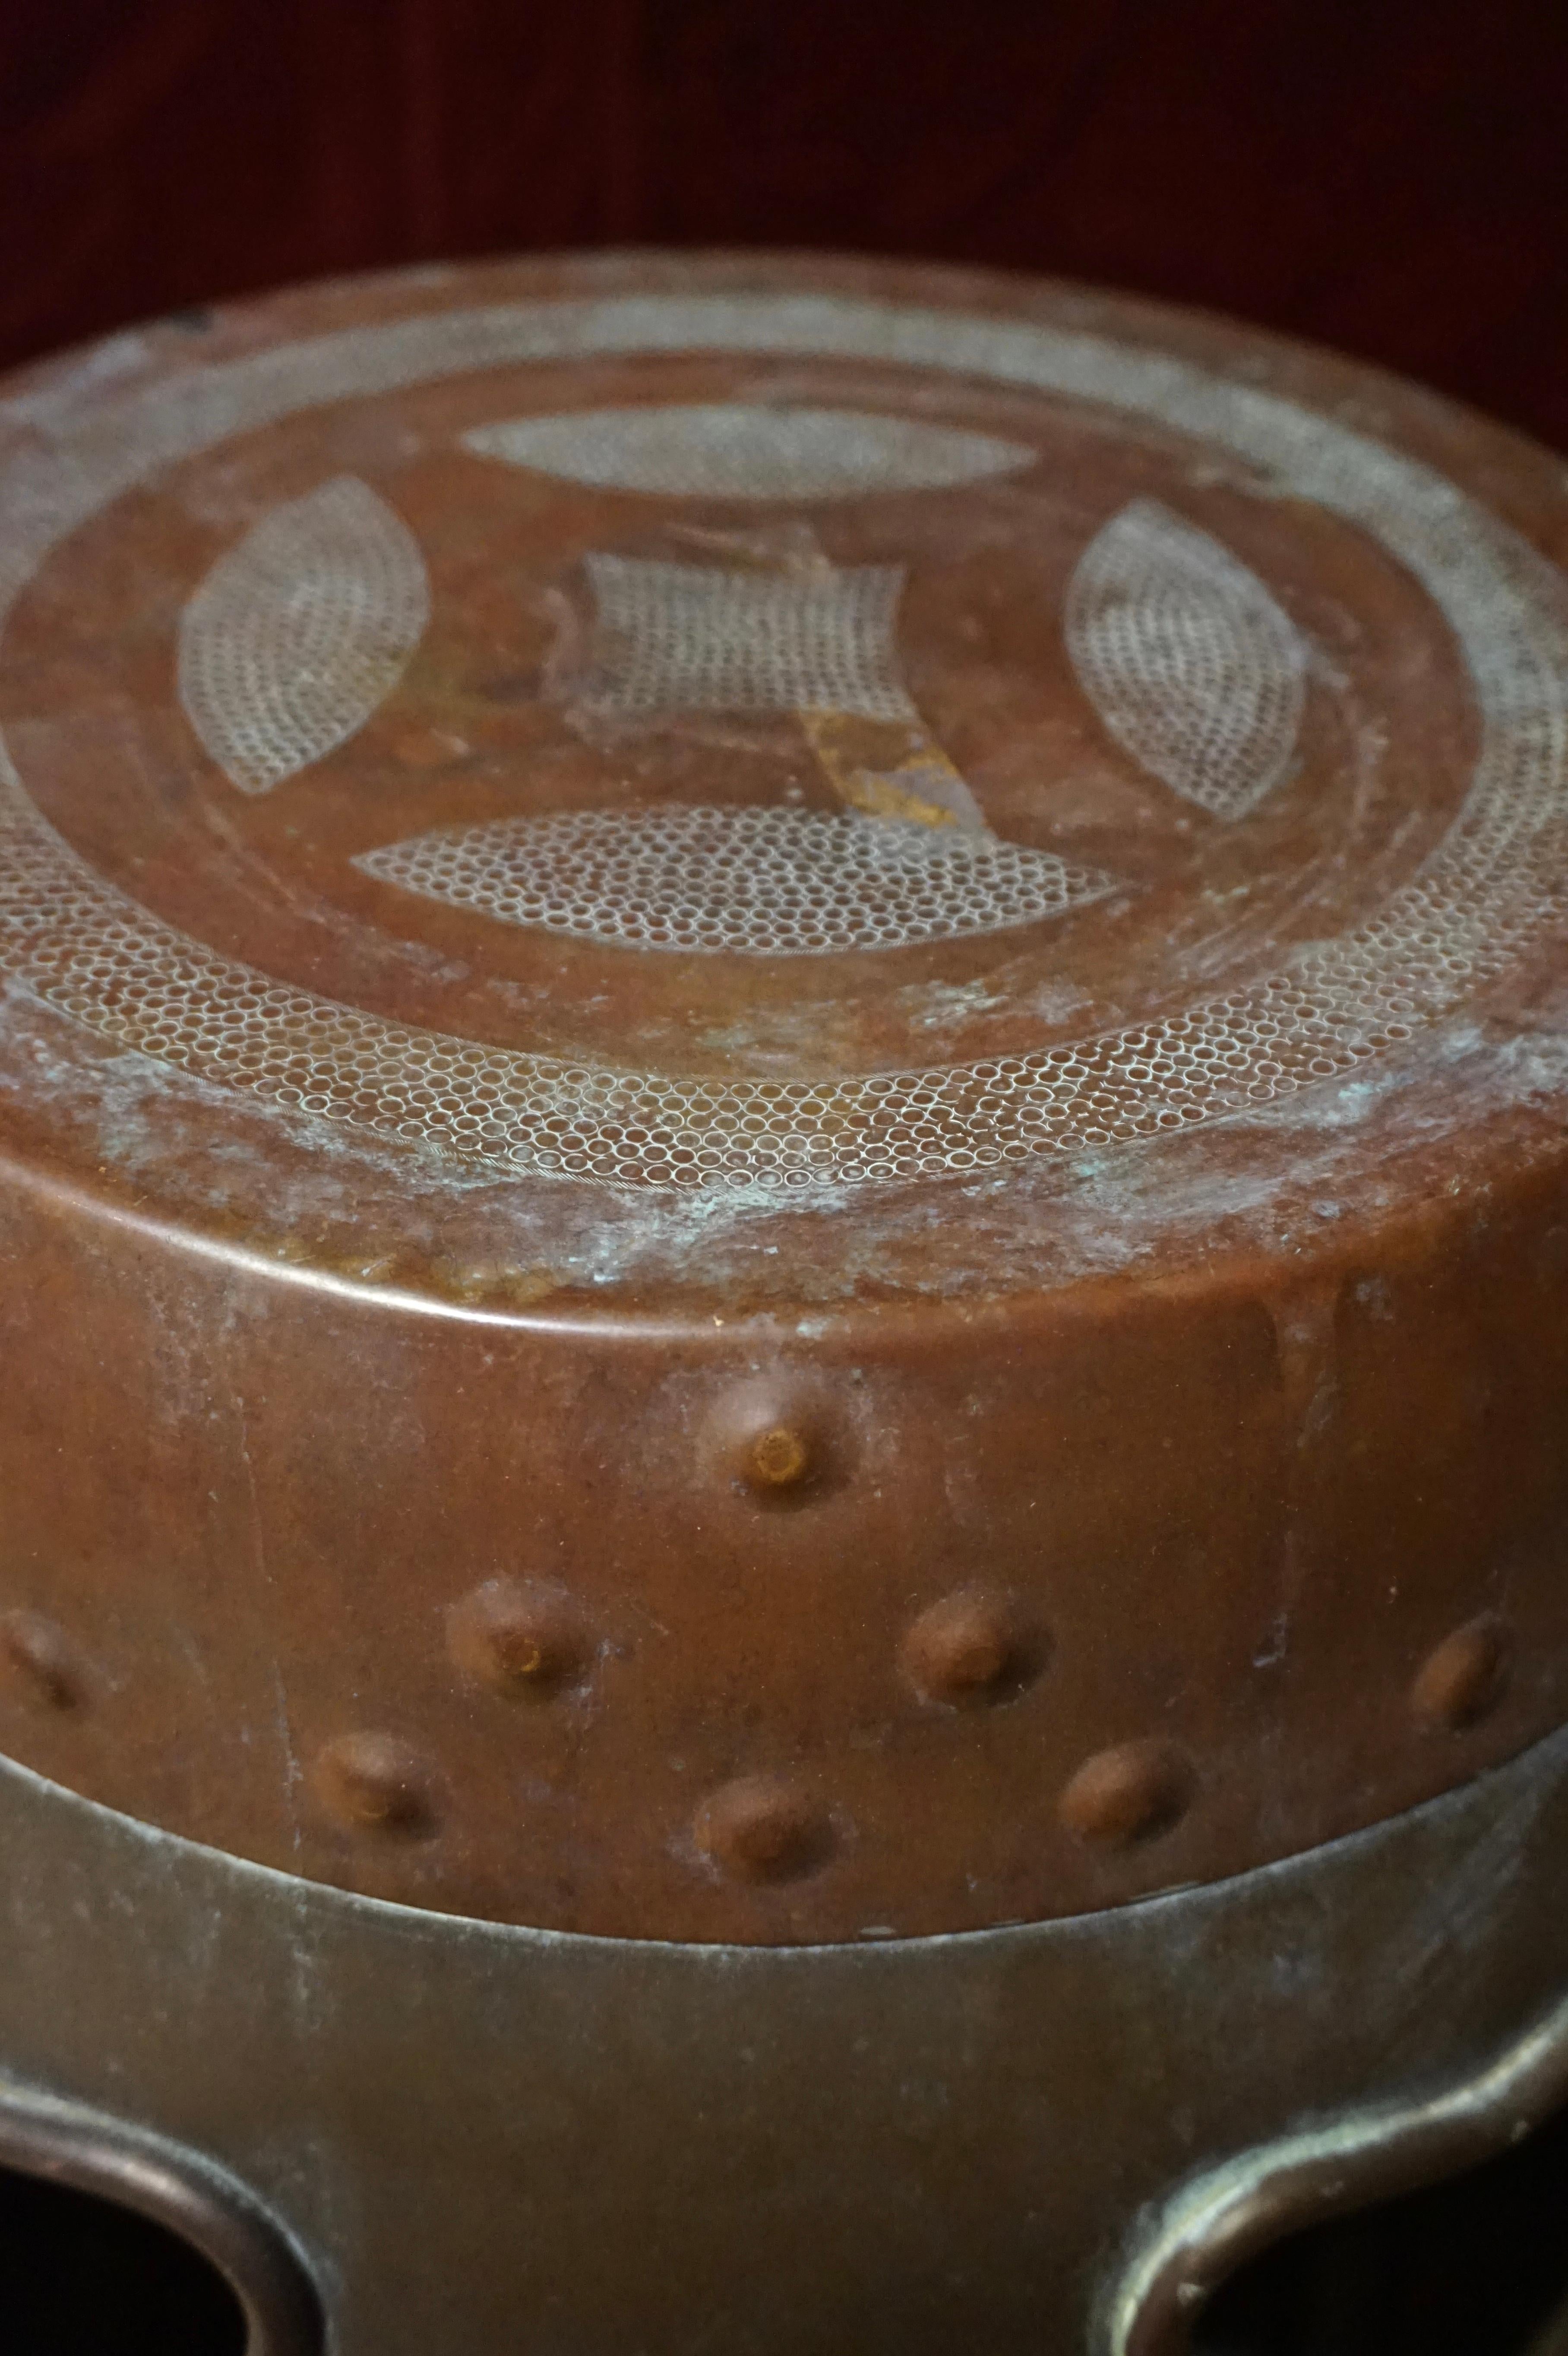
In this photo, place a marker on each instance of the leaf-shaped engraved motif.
(760, 882)
(297, 634)
(1187, 659)
(739, 450)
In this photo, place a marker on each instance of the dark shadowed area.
(1384, 178)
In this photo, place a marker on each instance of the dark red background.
(1385, 175)
(1390, 175)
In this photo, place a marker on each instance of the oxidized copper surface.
(1052, 2139)
(781, 1093)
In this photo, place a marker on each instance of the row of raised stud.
(969, 1647)
(771, 1827)
(763, 1829)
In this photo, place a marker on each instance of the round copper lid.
(782, 1092)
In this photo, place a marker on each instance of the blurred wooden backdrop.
(1385, 175)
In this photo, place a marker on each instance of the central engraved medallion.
(744, 743)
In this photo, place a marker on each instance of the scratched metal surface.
(460, 2123)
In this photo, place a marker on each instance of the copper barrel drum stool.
(783, 1163)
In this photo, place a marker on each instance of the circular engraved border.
(1494, 883)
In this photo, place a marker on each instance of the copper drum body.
(784, 1105)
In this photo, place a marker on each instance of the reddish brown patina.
(782, 1093)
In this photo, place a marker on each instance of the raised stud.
(519, 1638)
(970, 1647)
(41, 1661)
(1464, 1677)
(783, 1438)
(765, 1829)
(374, 1782)
(777, 1459)
(1128, 1794)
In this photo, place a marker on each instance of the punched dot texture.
(297, 634)
(741, 450)
(762, 883)
(706, 637)
(1192, 664)
(1481, 899)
